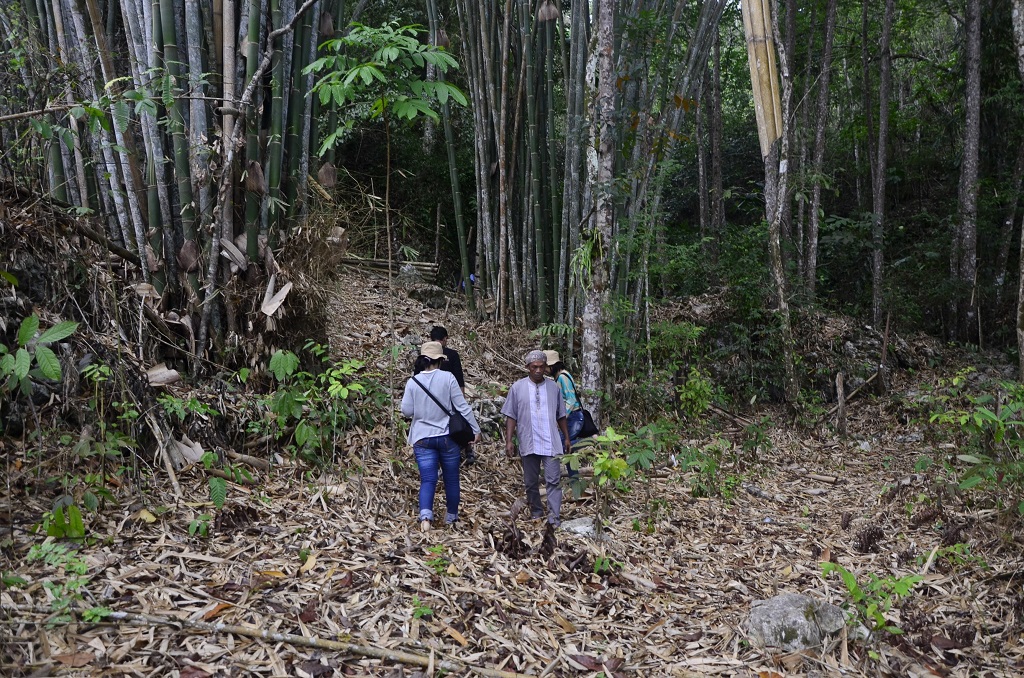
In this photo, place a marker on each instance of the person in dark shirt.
(453, 364)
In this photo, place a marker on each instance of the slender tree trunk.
(1017, 12)
(964, 259)
(717, 203)
(818, 160)
(881, 167)
(1007, 230)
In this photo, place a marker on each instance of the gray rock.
(430, 296)
(791, 622)
(408, 276)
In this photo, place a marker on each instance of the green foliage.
(200, 526)
(64, 522)
(310, 409)
(32, 358)
(695, 395)
(439, 563)
(420, 609)
(604, 566)
(872, 599)
(994, 429)
(379, 71)
(66, 591)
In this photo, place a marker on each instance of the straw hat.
(433, 350)
(552, 357)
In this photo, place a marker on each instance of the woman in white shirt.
(428, 432)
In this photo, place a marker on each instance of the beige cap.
(552, 357)
(433, 350)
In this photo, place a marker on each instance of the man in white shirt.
(535, 410)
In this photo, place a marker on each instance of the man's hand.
(510, 450)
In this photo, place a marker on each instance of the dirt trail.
(339, 556)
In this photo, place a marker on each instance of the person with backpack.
(430, 397)
(573, 408)
(453, 364)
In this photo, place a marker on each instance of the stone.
(430, 296)
(791, 622)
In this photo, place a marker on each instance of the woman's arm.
(459, 403)
(407, 404)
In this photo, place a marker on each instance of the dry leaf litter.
(338, 556)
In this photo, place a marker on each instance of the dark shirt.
(453, 364)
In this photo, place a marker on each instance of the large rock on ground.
(791, 622)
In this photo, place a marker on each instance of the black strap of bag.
(459, 429)
(434, 398)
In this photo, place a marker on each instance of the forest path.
(339, 555)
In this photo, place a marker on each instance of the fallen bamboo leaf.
(75, 660)
(459, 638)
(309, 564)
(216, 611)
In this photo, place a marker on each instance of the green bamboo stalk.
(252, 140)
(540, 236)
(297, 110)
(176, 123)
(453, 173)
(275, 144)
(547, 15)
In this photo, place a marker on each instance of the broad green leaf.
(28, 329)
(442, 93)
(49, 366)
(973, 481)
(6, 275)
(218, 491)
(61, 330)
(6, 365)
(90, 501)
(22, 363)
(76, 528)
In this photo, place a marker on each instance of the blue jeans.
(573, 422)
(438, 452)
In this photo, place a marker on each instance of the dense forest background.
(583, 163)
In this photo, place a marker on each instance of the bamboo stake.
(451, 665)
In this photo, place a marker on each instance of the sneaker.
(425, 526)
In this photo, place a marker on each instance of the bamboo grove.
(189, 131)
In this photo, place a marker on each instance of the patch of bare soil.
(326, 573)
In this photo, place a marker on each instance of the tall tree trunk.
(717, 200)
(818, 159)
(1017, 12)
(594, 349)
(881, 166)
(964, 257)
(1007, 230)
(772, 112)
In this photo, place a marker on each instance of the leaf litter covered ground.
(339, 557)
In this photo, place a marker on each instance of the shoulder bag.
(589, 428)
(459, 429)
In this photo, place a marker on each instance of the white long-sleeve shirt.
(428, 420)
